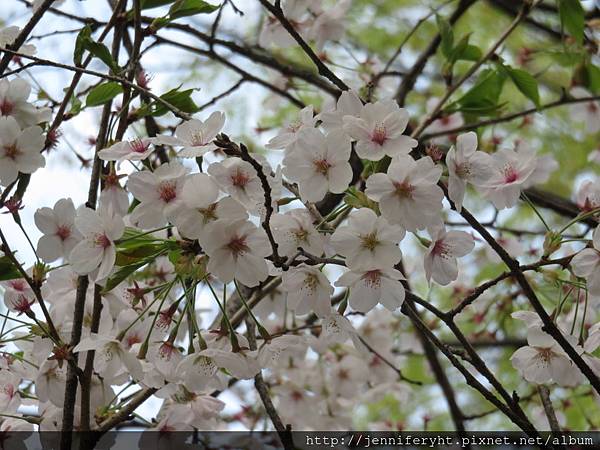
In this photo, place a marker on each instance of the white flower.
(239, 179)
(367, 240)
(8, 35)
(134, 150)
(10, 400)
(348, 104)
(242, 365)
(513, 171)
(308, 290)
(58, 226)
(466, 165)
(95, 254)
(276, 351)
(295, 229)
(110, 357)
(237, 250)
(378, 131)
(586, 112)
(319, 163)
(373, 284)
(408, 194)
(19, 150)
(199, 372)
(288, 135)
(588, 196)
(200, 207)
(586, 264)
(337, 329)
(13, 102)
(113, 196)
(330, 25)
(441, 258)
(18, 295)
(295, 11)
(195, 136)
(543, 360)
(159, 193)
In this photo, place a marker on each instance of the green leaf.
(120, 275)
(8, 271)
(482, 98)
(83, 35)
(593, 78)
(182, 100)
(470, 53)
(76, 105)
(572, 18)
(526, 83)
(184, 8)
(103, 93)
(446, 34)
(84, 42)
(149, 4)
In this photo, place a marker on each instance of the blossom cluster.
(220, 224)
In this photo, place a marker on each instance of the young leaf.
(183, 8)
(446, 35)
(103, 93)
(483, 97)
(526, 83)
(148, 4)
(7, 269)
(122, 274)
(593, 78)
(83, 35)
(572, 18)
(182, 100)
(84, 42)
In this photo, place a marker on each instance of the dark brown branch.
(321, 67)
(408, 82)
(263, 392)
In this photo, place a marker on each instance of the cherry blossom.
(441, 259)
(239, 179)
(18, 295)
(378, 130)
(237, 250)
(368, 239)
(543, 360)
(159, 193)
(8, 35)
(329, 25)
(586, 264)
(408, 194)
(19, 149)
(201, 208)
(308, 290)
(348, 104)
(319, 164)
(466, 165)
(136, 149)
(294, 229)
(371, 284)
(195, 136)
(13, 103)
(514, 170)
(95, 254)
(290, 133)
(110, 356)
(58, 226)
